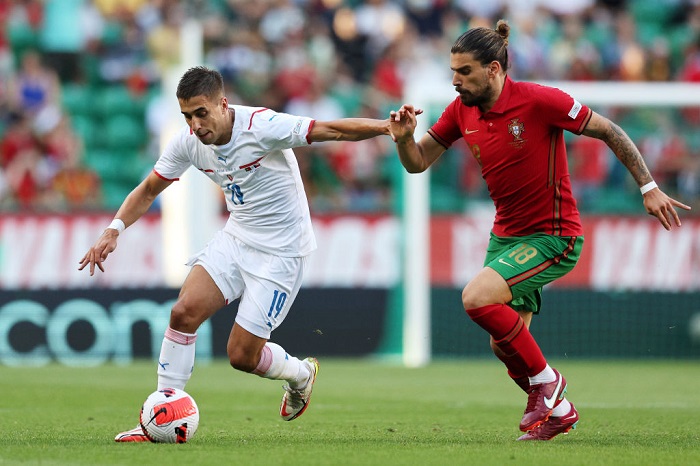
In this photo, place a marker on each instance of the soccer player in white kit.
(260, 254)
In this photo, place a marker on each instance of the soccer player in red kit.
(515, 132)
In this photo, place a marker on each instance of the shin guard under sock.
(516, 368)
(510, 334)
(176, 360)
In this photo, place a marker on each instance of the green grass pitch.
(363, 412)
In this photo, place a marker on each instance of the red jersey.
(519, 145)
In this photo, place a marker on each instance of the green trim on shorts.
(527, 263)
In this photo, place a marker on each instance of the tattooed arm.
(601, 128)
(656, 202)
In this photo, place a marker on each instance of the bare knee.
(199, 299)
(473, 299)
(468, 299)
(184, 318)
(488, 287)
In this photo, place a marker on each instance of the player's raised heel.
(134, 435)
(296, 400)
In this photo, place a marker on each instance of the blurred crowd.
(326, 59)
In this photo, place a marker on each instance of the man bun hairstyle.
(485, 45)
(200, 80)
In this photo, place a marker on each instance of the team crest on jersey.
(516, 128)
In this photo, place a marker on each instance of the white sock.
(562, 409)
(276, 364)
(547, 375)
(176, 360)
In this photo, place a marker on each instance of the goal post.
(415, 212)
(190, 214)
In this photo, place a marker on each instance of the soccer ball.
(169, 416)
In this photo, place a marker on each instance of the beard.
(476, 99)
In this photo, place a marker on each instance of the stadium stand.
(271, 52)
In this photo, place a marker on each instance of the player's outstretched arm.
(350, 129)
(656, 202)
(416, 157)
(134, 206)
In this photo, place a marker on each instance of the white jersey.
(259, 175)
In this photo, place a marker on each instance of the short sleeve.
(446, 130)
(279, 131)
(174, 161)
(561, 110)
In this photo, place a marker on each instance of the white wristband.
(118, 225)
(648, 187)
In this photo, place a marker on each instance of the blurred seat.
(117, 99)
(21, 37)
(445, 199)
(654, 11)
(104, 162)
(127, 166)
(77, 99)
(445, 185)
(349, 98)
(87, 129)
(124, 132)
(120, 172)
(616, 200)
(114, 192)
(692, 138)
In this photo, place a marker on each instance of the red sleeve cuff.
(308, 133)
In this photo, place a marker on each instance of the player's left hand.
(661, 206)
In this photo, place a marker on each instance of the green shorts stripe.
(528, 263)
(543, 266)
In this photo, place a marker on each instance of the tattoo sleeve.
(624, 149)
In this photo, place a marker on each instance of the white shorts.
(267, 284)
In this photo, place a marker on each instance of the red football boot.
(553, 427)
(541, 400)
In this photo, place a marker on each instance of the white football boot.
(296, 400)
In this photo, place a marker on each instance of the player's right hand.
(98, 253)
(403, 122)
